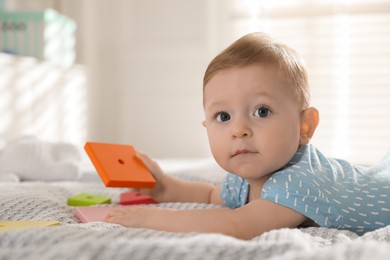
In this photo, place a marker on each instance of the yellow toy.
(16, 224)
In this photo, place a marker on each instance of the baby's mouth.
(241, 151)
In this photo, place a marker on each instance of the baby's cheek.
(218, 147)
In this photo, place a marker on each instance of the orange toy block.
(118, 166)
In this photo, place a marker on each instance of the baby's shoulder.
(307, 167)
(234, 180)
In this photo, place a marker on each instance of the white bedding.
(98, 240)
(44, 200)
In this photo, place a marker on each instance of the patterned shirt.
(331, 192)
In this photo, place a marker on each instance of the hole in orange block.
(121, 161)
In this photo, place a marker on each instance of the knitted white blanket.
(98, 240)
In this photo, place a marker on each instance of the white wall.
(146, 61)
(42, 99)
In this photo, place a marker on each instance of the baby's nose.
(241, 130)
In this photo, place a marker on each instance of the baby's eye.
(262, 112)
(222, 116)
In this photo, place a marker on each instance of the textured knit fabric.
(333, 193)
(102, 241)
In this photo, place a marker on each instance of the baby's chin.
(246, 170)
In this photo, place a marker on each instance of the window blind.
(346, 46)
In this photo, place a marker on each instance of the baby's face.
(252, 121)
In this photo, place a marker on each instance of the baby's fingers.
(117, 216)
(152, 166)
(116, 212)
(128, 217)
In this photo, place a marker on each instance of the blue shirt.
(331, 192)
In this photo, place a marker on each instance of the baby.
(259, 124)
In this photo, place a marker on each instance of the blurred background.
(130, 71)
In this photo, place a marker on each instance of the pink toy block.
(134, 198)
(92, 214)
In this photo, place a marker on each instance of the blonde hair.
(259, 48)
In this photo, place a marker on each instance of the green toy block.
(85, 199)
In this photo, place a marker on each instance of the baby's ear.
(309, 122)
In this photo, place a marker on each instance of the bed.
(29, 191)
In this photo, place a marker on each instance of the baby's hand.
(131, 216)
(159, 188)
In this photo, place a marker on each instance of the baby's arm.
(246, 222)
(171, 189)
